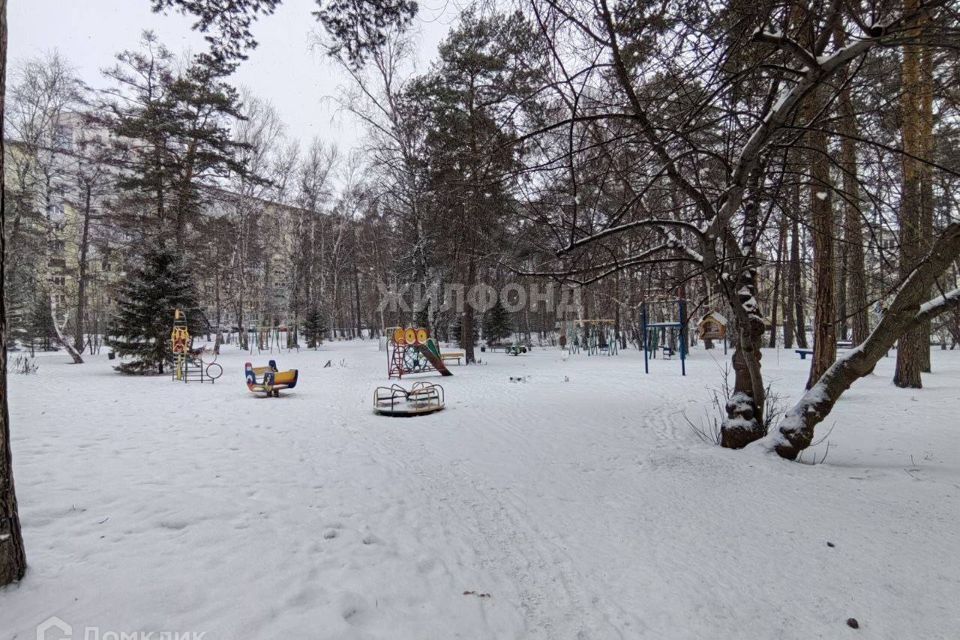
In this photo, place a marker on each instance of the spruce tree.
(313, 328)
(40, 329)
(496, 324)
(147, 301)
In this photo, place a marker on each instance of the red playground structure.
(413, 351)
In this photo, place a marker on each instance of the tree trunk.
(81, 311)
(856, 284)
(356, 299)
(910, 346)
(823, 226)
(13, 560)
(842, 326)
(926, 178)
(58, 334)
(744, 422)
(795, 287)
(466, 320)
(777, 285)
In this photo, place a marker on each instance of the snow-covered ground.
(577, 504)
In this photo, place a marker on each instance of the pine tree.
(496, 324)
(314, 327)
(171, 130)
(147, 301)
(40, 330)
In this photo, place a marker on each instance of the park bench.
(841, 344)
(506, 348)
(452, 355)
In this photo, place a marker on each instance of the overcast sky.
(284, 68)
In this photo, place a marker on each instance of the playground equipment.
(665, 334)
(600, 337)
(423, 398)
(713, 326)
(271, 380)
(188, 364)
(569, 337)
(414, 351)
(267, 337)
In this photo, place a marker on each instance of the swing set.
(597, 336)
(664, 333)
(600, 337)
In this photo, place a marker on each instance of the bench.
(452, 355)
(512, 350)
(841, 344)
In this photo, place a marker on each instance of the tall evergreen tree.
(147, 301)
(356, 27)
(314, 327)
(40, 330)
(496, 324)
(170, 129)
(473, 100)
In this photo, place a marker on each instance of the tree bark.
(789, 313)
(795, 287)
(13, 559)
(823, 226)
(356, 299)
(467, 318)
(744, 422)
(910, 346)
(777, 286)
(856, 281)
(75, 354)
(78, 338)
(926, 178)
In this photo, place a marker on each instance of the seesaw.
(269, 380)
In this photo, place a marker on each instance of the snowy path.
(582, 509)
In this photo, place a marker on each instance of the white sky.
(284, 68)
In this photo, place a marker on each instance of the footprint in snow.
(352, 607)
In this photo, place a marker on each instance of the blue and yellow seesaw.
(269, 380)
